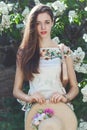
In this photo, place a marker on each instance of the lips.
(43, 32)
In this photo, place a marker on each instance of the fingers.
(37, 97)
(57, 98)
(54, 98)
(41, 100)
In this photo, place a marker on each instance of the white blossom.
(56, 39)
(84, 93)
(49, 4)
(77, 67)
(37, 2)
(4, 11)
(5, 21)
(72, 14)
(82, 68)
(36, 122)
(25, 11)
(42, 116)
(85, 8)
(82, 125)
(78, 55)
(3, 8)
(59, 7)
(85, 37)
(25, 14)
(10, 6)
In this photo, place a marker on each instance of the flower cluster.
(84, 93)
(82, 125)
(4, 12)
(59, 7)
(10, 16)
(85, 37)
(40, 116)
(72, 14)
(78, 57)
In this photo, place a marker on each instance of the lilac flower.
(36, 115)
(49, 112)
(41, 115)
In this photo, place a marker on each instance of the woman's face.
(44, 24)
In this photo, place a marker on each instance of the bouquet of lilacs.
(4, 14)
(78, 57)
(9, 16)
(40, 116)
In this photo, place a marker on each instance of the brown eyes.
(47, 22)
(39, 23)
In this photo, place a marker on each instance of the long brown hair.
(28, 55)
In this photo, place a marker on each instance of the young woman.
(39, 60)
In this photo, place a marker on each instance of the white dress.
(48, 80)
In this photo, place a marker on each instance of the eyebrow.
(45, 20)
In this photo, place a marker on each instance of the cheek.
(49, 28)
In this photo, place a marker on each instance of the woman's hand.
(57, 97)
(37, 97)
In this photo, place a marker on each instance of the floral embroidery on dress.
(50, 53)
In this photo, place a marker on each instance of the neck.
(45, 42)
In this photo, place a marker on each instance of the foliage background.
(69, 33)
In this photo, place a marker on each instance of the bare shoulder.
(65, 49)
(62, 45)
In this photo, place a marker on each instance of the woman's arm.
(64, 73)
(18, 83)
(69, 76)
(74, 90)
(72, 93)
(18, 92)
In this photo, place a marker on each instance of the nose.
(43, 27)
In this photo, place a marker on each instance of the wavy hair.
(28, 54)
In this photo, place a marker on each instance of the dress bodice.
(48, 80)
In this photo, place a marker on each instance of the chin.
(43, 36)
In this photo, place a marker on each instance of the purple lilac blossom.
(49, 112)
